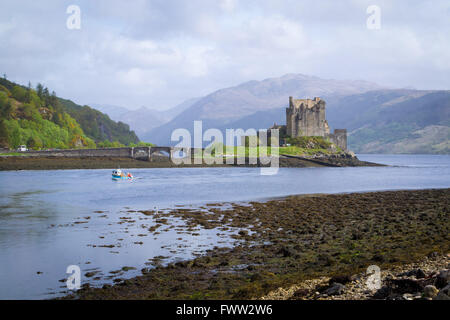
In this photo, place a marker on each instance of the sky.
(158, 53)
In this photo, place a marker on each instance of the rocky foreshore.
(427, 279)
(343, 159)
(284, 243)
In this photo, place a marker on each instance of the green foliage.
(296, 151)
(109, 144)
(36, 119)
(141, 144)
(34, 142)
(98, 125)
(20, 94)
(384, 134)
(6, 107)
(40, 119)
(310, 142)
(82, 126)
(214, 147)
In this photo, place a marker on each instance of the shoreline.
(283, 242)
(416, 275)
(11, 163)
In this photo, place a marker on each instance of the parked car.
(22, 148)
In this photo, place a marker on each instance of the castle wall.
(339, 138)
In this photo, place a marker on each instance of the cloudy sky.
(157, 53)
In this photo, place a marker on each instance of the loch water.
(51, 219)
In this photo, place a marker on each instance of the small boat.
(118, 174)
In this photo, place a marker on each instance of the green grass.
(300, 146)
(11, 154)
(262, 151)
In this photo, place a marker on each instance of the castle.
(306, 117)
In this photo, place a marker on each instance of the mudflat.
(54, 163)
(284, 241)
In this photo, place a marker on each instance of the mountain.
(36, 119)
(114, 112)
(379, 120)
(40, 119)
(98, 125)
(143, 120)
(222, 108)
(395, 121)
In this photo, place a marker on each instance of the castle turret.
(306, 117)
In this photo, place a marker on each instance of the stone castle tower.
(306, 117)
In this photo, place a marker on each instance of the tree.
(6, 107)
(28, 95)
(19, 93)
(15, 138)
(34, 142)
(53, 100)
(3, 135)
(28, 111)
(46, 96)
(39, 90)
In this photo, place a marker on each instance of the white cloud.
(158, 53)
(228, 5)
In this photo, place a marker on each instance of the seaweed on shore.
(287, 240)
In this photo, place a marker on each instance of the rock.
(420, 274)
(430, 291)
(382, 293)
(401, 286)
(341, 279)
(243, 233)
(224, 263)
(335, 289)
(378, 258)
(444, 293)
(408, 296)
(286, 252)
(442, 296)
(417, 273)
(128, 268)
(332, 148)
(90, 274)
(301, 293)
(442, 279)
(181, 264)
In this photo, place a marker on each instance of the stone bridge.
(139, 153)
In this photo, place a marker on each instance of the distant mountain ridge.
(379, 119)
(226, 106)
(396, 121)
(143, 120)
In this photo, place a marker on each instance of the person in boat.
(129, 175)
